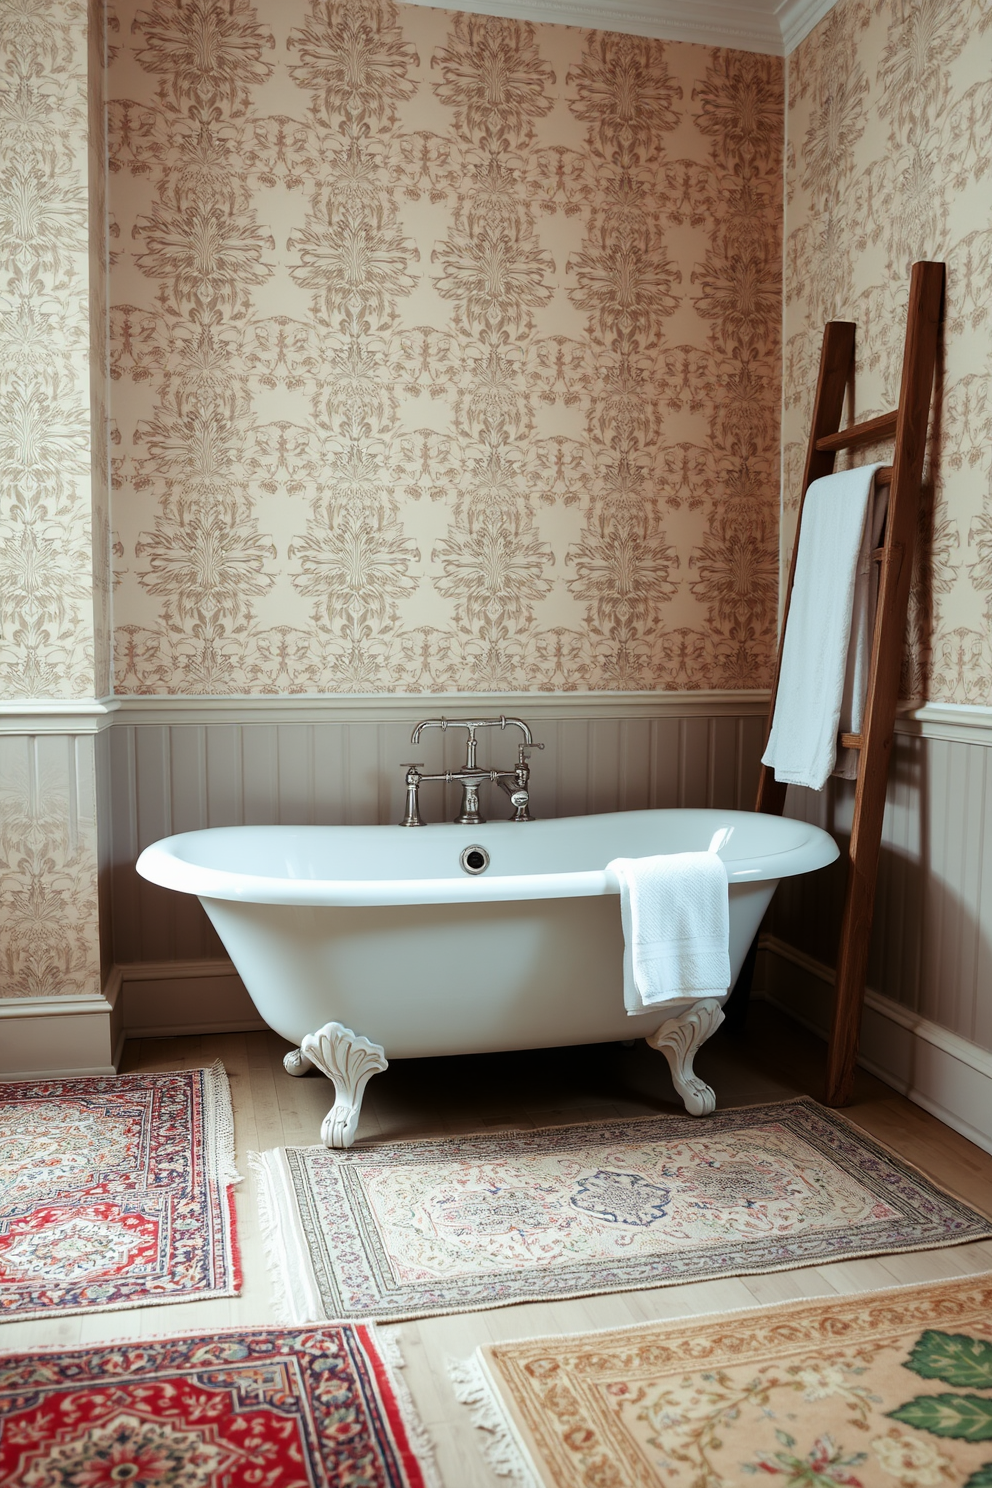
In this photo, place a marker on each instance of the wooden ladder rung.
(850, 741)
(867, 432)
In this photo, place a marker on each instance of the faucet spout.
(519, 723)
(441, 723)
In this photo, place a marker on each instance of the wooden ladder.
(908, 425)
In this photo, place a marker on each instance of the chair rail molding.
(57, 715)
(961, 723)
(93, 715)
(411, 707)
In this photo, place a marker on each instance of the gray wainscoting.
(176, 776)
(932, 942)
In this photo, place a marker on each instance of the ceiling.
(775, 26)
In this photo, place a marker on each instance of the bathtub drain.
(474, 859)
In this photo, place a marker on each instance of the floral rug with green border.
(888, 1389)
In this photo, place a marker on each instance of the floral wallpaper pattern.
(54, 484)
(889, 146)
(47, 456)
(49, 917)
(445, 350)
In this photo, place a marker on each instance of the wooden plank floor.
(773, 1061)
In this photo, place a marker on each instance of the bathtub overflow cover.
(474, 859)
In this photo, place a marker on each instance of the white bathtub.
(379, 933)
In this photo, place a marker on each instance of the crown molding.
(796, 19)
(746, 25)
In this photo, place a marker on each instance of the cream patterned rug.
(888, 1389)
(406, 1230)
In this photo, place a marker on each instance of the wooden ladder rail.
(908, 425)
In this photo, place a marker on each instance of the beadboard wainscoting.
(86, 784)
(181, 764)
(168, 765)
(928, 1021)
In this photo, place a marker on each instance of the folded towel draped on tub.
(676, 928)
(824, 673)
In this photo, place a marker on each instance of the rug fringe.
(501, 1446)
(269, 1228)
(295, 1299)
(391, 1351)
(220, 1110)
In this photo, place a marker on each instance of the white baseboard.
(166, 999)
(937, 1069)
(49, 1037)
(45, 1037)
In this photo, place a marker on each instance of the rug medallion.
(394, 1231)
(891, 1389)
(115, 1191)
(260, 1408)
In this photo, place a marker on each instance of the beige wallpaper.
(47, 441)
(890, 160)
(49, 914)
(54, 508)
(446, 353)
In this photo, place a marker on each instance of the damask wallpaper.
(49, 909)
(446, 353)
(54, 512)
(890, 160)
(50, 461)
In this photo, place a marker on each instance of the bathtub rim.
(159, 863)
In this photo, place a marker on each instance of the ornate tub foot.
(350, 1060)
(296, 1062)
(679, 1039)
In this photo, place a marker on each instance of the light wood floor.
(774, 1060)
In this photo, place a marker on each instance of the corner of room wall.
(889, 128)
(54, 615)
(888, 134)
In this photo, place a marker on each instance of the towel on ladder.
(825, 660)
(676, 928)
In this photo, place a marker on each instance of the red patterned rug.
(249, 1408)
(115, 1191)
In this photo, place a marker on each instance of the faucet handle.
(412, 816)
(523, 752)
(418, 766)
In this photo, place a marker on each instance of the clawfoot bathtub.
(365, 943)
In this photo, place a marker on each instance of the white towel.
(834, 541)
(676, 928)
(852, 708)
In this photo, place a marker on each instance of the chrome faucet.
(515, 782)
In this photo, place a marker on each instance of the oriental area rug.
(259, 1408)
(888, 1389)
(115, 1191)
(411, 1229)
